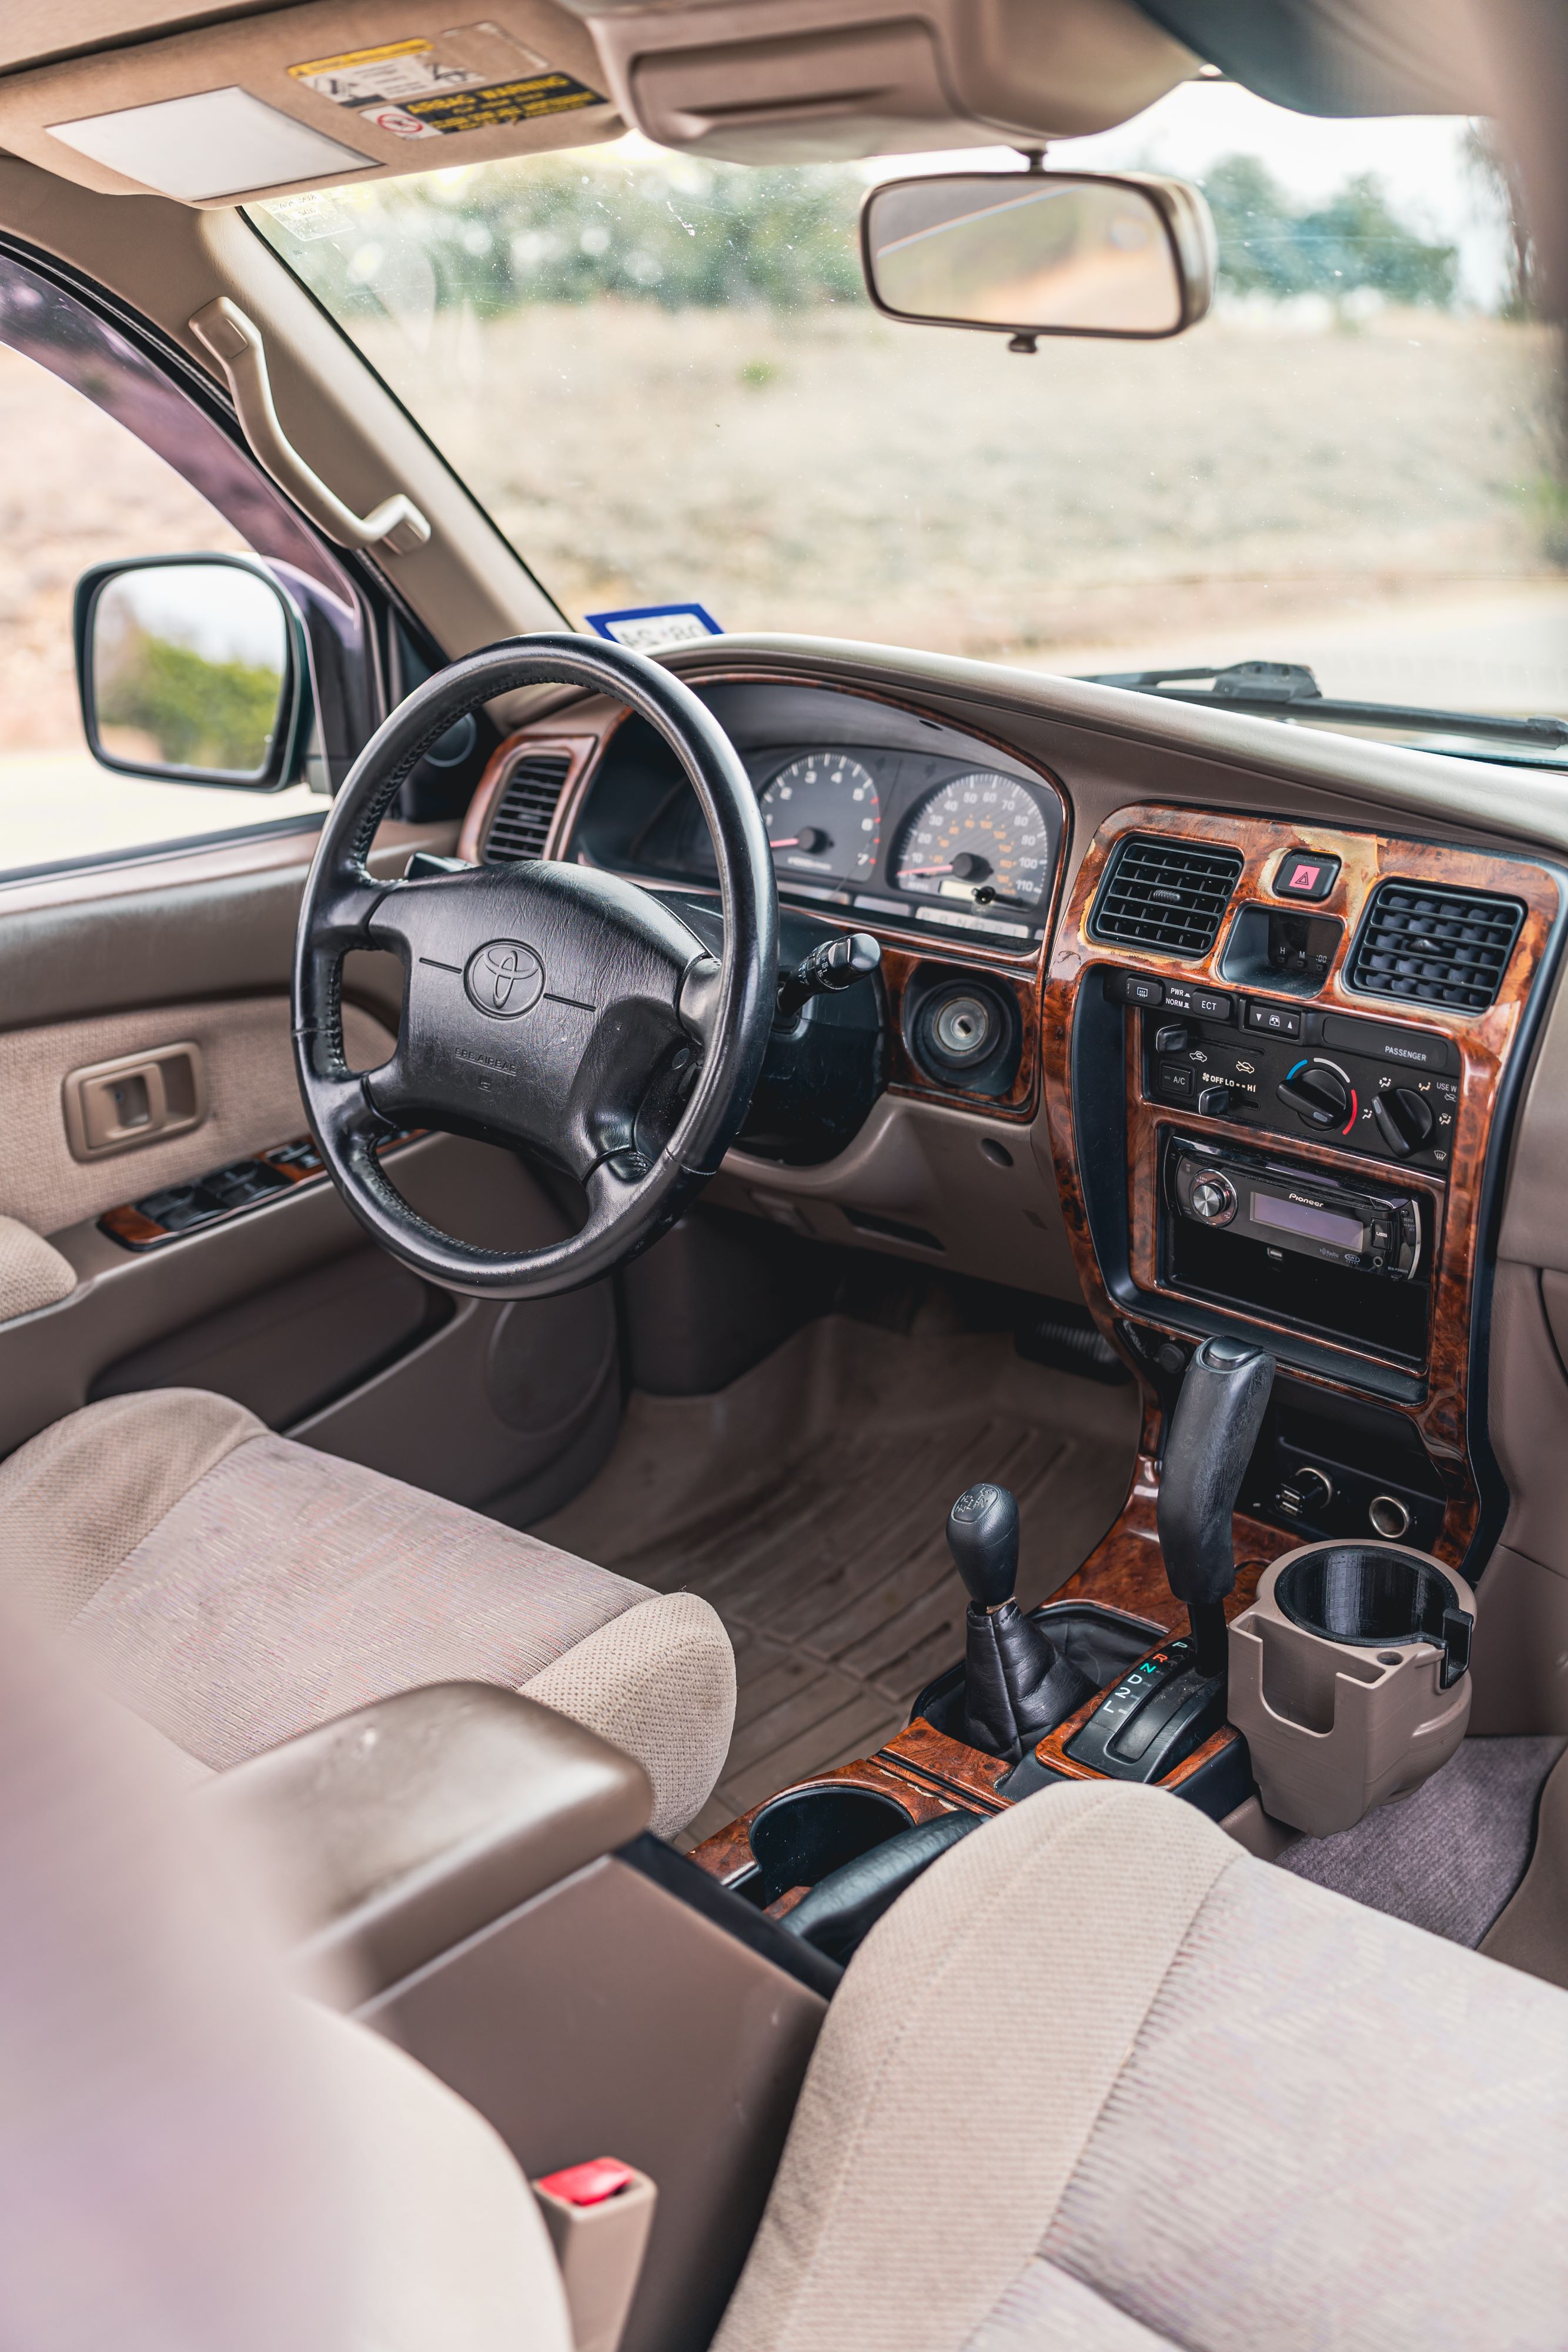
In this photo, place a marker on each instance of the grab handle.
(396, 526)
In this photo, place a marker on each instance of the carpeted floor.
(808, 1500)
(1448, 1858)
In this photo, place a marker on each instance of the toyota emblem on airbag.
(504, 978)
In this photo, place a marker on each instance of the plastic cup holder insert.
(1371, 1596)
(1348, 1679)
(802, 1835)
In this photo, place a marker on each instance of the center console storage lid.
(397, 1830)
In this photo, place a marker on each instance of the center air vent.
(1170, 896)
(522, 820)
(1435, 947)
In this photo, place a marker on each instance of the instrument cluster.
(943, 844)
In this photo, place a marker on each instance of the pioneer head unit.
(1286, 1209)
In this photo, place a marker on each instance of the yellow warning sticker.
(403, 87)
(505, 102)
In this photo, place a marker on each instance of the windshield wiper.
(1270, 689)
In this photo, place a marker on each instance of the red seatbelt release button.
(591, 2183)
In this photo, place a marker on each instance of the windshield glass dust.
(666, 381)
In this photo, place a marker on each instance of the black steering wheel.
(550, 1008)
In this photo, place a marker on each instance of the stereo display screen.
(1301, 1217)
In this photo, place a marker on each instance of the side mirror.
(1040, 253)
(192, 668)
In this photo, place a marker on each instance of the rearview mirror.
(190, 667)
(1040, 253)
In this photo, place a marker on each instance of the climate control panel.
(1376, 1088)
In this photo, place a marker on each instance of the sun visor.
(788, 81)
(305, 98)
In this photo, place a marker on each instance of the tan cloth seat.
(239, 1587)
(1099, 2083)
(1102, 2083)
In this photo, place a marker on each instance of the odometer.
(823, 818)
(980, 839)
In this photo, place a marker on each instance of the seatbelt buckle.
(599, 2215)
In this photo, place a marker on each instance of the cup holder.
(1372, 1595)
(800, 1837)
(1349, 1679)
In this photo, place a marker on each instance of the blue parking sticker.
(655, 628)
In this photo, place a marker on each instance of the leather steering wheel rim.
(486, 1046)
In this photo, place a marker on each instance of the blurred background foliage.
(494, 238)
(1271, 245)
(187, 711)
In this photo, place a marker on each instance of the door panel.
(296, 1346)
(284, 1307)
(252, 1101)
(509, 1407)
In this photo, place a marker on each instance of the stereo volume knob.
(1317, 1094)
(1403, 1118)
(1213, 1200)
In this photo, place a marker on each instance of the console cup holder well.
(1349, 1679)
(798, 1838)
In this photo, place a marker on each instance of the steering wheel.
(549, 1008)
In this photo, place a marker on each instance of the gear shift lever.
(1213, 1431)
(1018, 1684)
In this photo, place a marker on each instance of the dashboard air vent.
(1435, 947)
(522, 820)
(1167, 895)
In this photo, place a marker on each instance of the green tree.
(199, 713)
(1270, 245)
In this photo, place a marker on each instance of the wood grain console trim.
(1483, 1042)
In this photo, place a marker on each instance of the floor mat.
(1448, 1858)
(807, 1501)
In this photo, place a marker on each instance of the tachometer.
(980, 838)
(823, 818)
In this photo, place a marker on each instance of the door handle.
(138, 1098)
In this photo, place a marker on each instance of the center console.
(1279, 1065)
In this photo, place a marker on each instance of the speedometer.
(980, 839)
(823, 818)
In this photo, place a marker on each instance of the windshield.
(666, 381)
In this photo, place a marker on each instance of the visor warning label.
(404, 88)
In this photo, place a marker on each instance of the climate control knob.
(1403, 1118)
(1213, 1200)
(1317, 1093)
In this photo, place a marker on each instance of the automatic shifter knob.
(1219, 1413)
(983, 1537)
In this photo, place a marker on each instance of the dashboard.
(920, 829)
(1209, 1066)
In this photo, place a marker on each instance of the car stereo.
(1288, 1211)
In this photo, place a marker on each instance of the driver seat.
(237, 1587)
